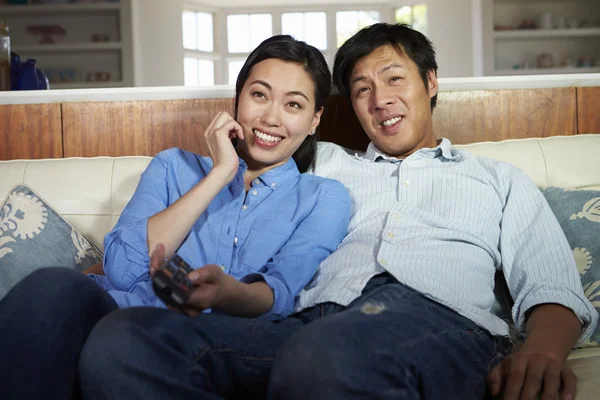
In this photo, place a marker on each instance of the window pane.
(404, 15)
(206, 73)
(205, 31)
(350, 22)
(238, 38)
(310, 27)
(293, 24)
(420, 18)
(189, 30)
(190, 71)
(261, 28)
(234, 70)
(315, 29)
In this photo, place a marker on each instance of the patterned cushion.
(34, 236)
(578, 212)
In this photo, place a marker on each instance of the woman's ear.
(316, 119)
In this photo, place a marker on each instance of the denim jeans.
(391, 343)
(44, 322)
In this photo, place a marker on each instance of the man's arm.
(538, 367)
(550, 308)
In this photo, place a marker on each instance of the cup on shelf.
(573, 24)
(544, 20)
(561, 22)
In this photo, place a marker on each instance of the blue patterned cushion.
(34, 236)
(578, 212)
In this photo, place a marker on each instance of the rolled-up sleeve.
(537, 260)
(126, 256)
(315, 238)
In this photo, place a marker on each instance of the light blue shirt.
(443, 221)
(278, 232)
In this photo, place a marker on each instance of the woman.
(256, 226)
(261, 225)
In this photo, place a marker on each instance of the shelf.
(87, 85)
(59, 8)
(540, 71)
(74, 47)
(545, 33)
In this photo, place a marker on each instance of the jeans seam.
(206, 349)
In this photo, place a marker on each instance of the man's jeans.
(391, 343)
(44, 322)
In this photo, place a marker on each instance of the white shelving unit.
(70, 58)
(515, 51)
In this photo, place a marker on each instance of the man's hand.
(526, 374)
(539, 367)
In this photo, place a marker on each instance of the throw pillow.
(34, 236)
(578, 212)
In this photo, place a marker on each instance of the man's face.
(392, 103)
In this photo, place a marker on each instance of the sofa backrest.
(91, 192)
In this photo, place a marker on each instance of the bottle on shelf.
(4, 57)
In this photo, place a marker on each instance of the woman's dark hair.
(402, 37)
(288, 49)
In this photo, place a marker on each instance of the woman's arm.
(170, 226)
(270, 294)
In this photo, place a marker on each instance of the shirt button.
(390, 235)
(222, 267)
(254, 193)
(244, 207)
(273, 184)
(396, 215)
(383, 261)
(235, 240)
(256, 181)
(406, 184)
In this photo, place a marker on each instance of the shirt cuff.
(585, 312)
(126, 254)
(280, 308)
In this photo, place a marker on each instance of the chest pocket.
(266, 238)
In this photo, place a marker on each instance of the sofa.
(90, 194)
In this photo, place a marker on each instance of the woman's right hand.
(217, 138)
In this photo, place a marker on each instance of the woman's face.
(276, 109)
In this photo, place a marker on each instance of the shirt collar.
(444, 150)
(276, 176)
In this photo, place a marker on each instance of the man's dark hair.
(403, 38)
(286, 48)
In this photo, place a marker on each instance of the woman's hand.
(210, 290)
(217, 138)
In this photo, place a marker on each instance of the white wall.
(158, 48)
(157, 42)
(451, 31)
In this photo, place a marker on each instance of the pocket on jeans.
(267, 237)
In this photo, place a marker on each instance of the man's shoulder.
(328, 149)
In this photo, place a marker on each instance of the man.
(402, 309)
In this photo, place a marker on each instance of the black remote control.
(171, 284)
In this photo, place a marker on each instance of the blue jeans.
(44, 322)
(391, 343)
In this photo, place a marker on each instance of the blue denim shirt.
(279, 231)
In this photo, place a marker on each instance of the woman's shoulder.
(325, 185)
(176, 157)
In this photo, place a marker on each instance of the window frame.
(221, 55)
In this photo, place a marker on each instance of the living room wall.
(158, 43)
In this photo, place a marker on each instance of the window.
(234, 68)
(415, 16)
(245, 32)
(310, 27)
(350, 22)
(198, 44)
(210, 60)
